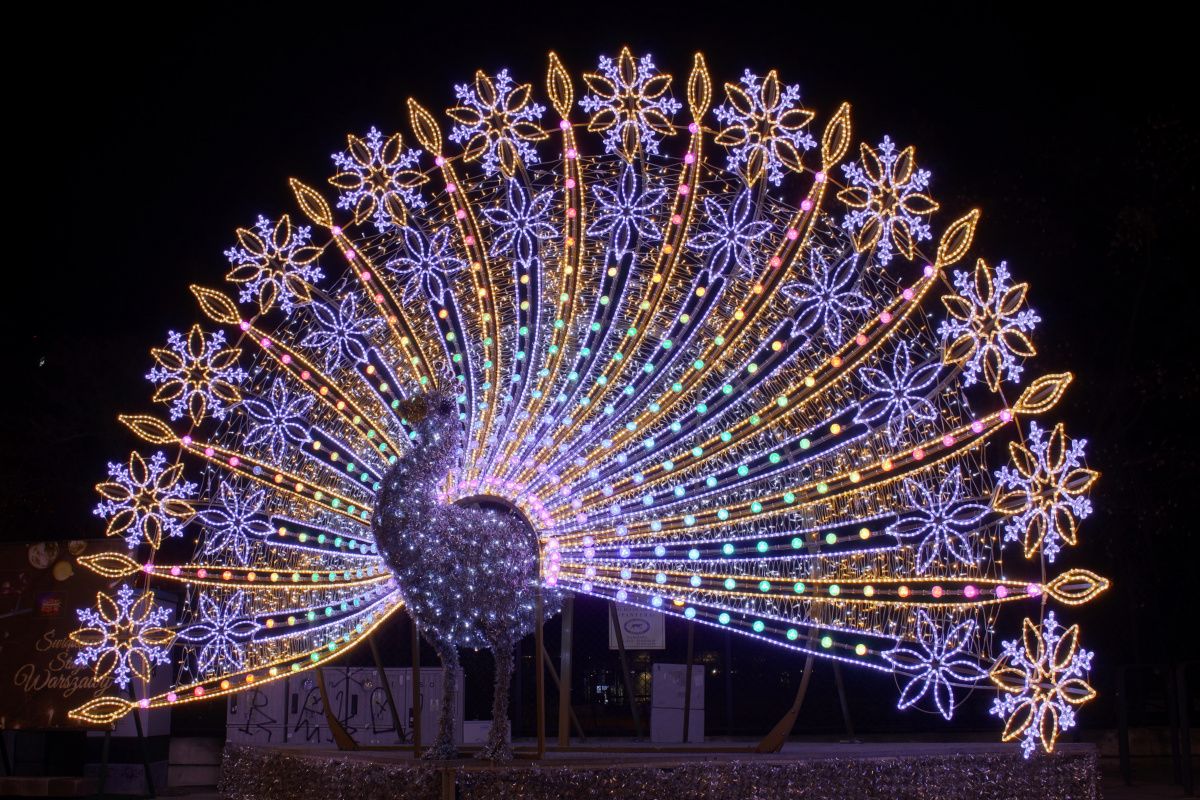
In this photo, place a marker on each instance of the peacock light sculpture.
(699, 358)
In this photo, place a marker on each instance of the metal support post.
(1122, 701)
(387, 689)
(540, 672)
(687, 682)
(549, 665)
(564, 677)
(104, 762)
(137, 721)
(416, 688)
(773, 742)
(841, 690)
(340, 736)
(616, 623)
(728, 686)
(1185, 736)
(518, 705)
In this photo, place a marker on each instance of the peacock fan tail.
(716, 359)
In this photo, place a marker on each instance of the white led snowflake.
(497, 122)
(940, 662)
(230, 524)
(630, 104)
(732, 233)
(1047, 483)
(278, 419)
(145, 502)
(1043, 676)
(522, 223)
(943, 523)
(626, 212)
(338, 332)
(887, 201)
(426, 263)
(900, 396)
(123, 638)
(198, 375)
(220, 630)
(275, 263)
(988, 328)
(764, 127)
(378, 179)
(825, 299)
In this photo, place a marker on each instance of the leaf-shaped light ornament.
(1076, 586)
(102, 710)
(111, 565)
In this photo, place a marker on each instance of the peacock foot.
(498, 751)
(441, 752)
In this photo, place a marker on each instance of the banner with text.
(641, 628)
(41, 586)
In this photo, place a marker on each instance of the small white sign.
(641, 628)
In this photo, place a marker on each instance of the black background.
(138, 142)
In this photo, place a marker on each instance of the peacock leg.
(497, 747)
(443, 744)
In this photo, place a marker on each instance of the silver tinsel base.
(265, 773)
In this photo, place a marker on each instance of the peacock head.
(435, 404)
(434, 416)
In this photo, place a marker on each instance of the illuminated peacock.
(711, 361)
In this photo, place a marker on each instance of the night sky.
(140, 143)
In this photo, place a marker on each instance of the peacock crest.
(710, 357)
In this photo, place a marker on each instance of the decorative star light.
(497, 121)
(943, 521)
(231, 523)
(222, 628)
(900, 396)
(378, 179)
(626, 212)
(940, 664)
(824, 300)
(764, 127)
(1043, 678)
(630, 104)
(426, 263)
(523, 223)
(734, 231)
(338, 332)
(987, 330)
(198, 375)
(123, 638)
(1048, 482)
(887, 201)
(278, 419)
(275, 263)
(145, 501)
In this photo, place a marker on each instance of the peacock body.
(711, 361)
